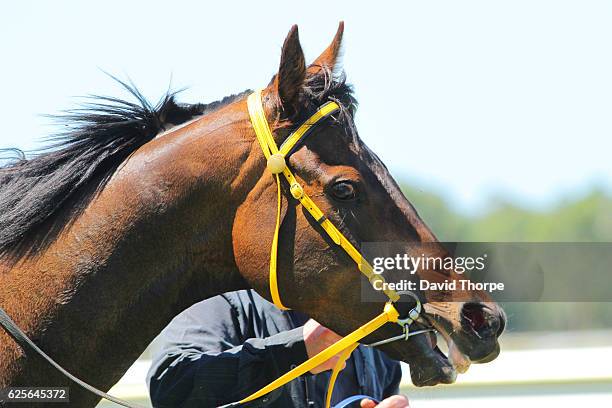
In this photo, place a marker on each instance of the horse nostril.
(480, 318)
(473, 314)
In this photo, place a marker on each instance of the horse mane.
(76, 163)
(100, 135)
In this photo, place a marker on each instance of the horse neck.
(154, 241)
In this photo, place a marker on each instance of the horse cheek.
(252, 233)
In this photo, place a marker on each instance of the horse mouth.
(459, 360)
(475, 341)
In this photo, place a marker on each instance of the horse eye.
(344, 190)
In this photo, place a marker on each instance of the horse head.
(357, 193)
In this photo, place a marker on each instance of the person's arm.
(206, 362)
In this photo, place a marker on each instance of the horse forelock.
(325, 87)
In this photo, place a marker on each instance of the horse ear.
(291, 72)
(329, 58)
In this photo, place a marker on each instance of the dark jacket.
(222, 349)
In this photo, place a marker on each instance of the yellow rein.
(276, 164)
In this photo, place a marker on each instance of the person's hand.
(395, 401)
(317, 338)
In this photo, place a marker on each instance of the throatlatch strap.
(274, 251)
(268, 146)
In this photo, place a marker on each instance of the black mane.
(77, 163)
(99, 136)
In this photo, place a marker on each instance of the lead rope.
(24, 342)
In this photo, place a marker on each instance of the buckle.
(296, 190)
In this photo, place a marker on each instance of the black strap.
(24, 341)
(310, 129)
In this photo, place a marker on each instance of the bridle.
(277, 165)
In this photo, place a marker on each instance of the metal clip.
(404, 336)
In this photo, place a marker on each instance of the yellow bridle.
(276, 164)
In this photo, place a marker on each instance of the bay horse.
(139, 211)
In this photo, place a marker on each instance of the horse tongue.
(460, 361)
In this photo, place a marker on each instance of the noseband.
(277, 164)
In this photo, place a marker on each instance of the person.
(224, 348)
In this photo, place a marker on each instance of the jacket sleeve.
(395, 376)
(205, 360)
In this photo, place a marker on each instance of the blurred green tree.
(584, 219)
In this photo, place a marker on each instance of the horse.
(137, 211)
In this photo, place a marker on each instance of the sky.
(470, 99)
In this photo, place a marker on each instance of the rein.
(24, 341)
